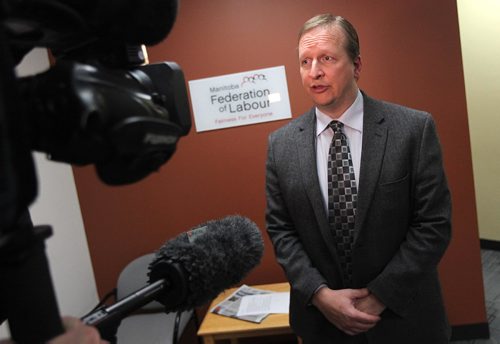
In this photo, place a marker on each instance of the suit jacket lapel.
(306, 149)
(373, 150)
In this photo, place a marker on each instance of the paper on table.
(265, 303)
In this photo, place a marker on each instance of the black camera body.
(126, 122)
(97, 104)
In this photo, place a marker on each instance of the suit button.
(359, 245)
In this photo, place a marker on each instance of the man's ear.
(357, 67)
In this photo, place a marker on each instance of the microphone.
(192, 268)
(215, 256)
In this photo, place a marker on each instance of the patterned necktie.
(342, 197)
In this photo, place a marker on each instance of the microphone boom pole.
(171, 289)
(101, 317)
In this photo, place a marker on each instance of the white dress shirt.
(352, 119)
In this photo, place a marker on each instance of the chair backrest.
(135, 276)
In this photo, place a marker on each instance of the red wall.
(411, 54)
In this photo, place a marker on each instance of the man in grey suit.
(385, 289)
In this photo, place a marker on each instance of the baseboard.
(471, 331)
(490, 244)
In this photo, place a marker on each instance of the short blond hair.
(330, 20)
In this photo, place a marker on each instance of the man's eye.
(305, 62)
(328, 58)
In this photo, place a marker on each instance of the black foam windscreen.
(214, 257)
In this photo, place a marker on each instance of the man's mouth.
(318, 88)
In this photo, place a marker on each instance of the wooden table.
(215, 327)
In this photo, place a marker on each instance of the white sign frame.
(238, 99)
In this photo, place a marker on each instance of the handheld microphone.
(193, 268)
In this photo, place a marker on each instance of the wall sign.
(239, 99)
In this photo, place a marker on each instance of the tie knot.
(336, 126)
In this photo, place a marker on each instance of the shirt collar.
(352, 117)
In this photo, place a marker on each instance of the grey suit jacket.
(402, 224)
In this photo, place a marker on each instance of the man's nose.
(316, 72)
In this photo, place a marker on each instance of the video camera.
(99, 103)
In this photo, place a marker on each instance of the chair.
(150, 325)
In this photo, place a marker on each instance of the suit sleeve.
(429, 232)
(304, 278)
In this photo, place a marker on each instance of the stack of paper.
(252, 304)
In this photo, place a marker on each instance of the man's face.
(328, 74)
